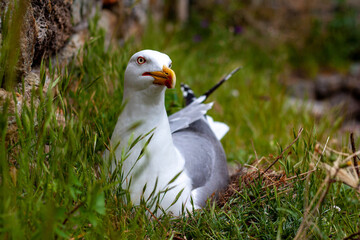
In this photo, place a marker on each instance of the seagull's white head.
(149, 69)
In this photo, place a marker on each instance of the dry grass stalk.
(355, 158)
(343, 170)
(311, 211)
(346, 171)
(282, 153)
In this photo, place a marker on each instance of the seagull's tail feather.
(211, 90)
(189, 95)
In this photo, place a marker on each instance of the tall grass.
(59, 187)
(12, 19)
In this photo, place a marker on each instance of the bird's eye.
(141, 60)
(170, 65)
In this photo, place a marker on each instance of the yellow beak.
(165, 77)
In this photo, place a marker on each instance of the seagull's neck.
(149, 110)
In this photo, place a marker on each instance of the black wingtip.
(189, 95)
(224, 79)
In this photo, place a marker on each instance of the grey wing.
(205, 160)
(191, 113)
(198, 157)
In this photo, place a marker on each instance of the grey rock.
(302, 89)
(31, 81)
(351, 126)
(53, 23)
(133, 15)
(354, 70)
(347, 106)
(25, 40)
(352, 85)
(82, 10)
(71, 48)
(108, 21)
(316, 108)
(327, 85)
(45, 27)
(353, 4)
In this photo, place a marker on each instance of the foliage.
(315, 35)
(59, 187)
(329, 45)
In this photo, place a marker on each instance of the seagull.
(175, 162)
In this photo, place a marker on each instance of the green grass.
(58, 187)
